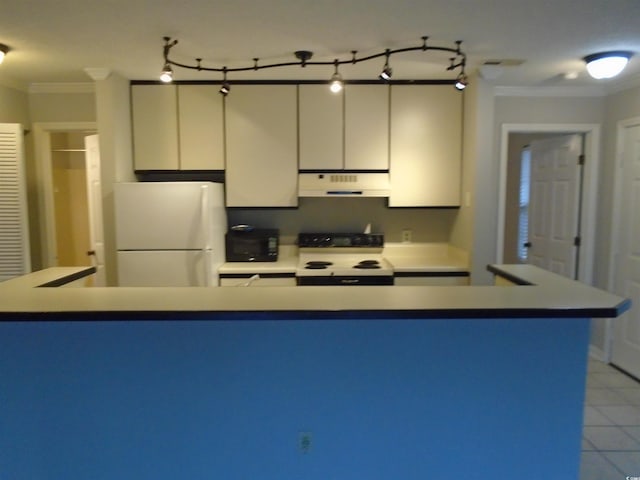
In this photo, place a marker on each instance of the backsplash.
(350, 215)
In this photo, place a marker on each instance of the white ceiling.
(56, 41)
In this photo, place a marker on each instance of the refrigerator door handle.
(204, 218)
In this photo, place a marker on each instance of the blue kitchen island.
(297, 382)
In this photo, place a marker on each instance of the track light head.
(167, 74)
(336, 83)
(461, 82)
(3, 51)
(225, 88)
(387, 71)
(607, 64)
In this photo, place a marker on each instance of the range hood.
(344, 184)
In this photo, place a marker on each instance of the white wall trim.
(44, 181)
(589, 190)
(78, 87)
(550, 92)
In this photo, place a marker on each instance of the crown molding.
(98, 73)
(77, 87)
(549, 91)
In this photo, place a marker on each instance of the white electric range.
(342, 259)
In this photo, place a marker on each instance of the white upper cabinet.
(262, 146)
(345, 131)
(321, 125)
(177, 127)
(200, 117)
(426, 146)
(155, 127)
(366, 127)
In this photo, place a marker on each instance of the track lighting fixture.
(607, 64)
(461, 82)
(225, 88)
(167, 73)
(336, 83)
(3, 51)
(387, 71)
(304, 59)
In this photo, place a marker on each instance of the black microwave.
(252, 245)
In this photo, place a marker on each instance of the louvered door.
(14, 230)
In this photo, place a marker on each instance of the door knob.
(526, 244)
(91, 252)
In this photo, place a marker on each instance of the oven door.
(345, 280)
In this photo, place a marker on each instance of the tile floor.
(611, 434)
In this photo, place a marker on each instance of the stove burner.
(317, 265)
(368, 264)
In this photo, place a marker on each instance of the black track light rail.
(304, 58)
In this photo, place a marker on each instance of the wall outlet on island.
(304, 442)
(406, 236)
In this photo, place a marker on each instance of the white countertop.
(426, 257)
(552, 296)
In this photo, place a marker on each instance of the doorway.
(513, 138)
(61, 169)
(625, 256)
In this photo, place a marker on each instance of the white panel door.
(626, 341)
(554, 208)
(94, 200)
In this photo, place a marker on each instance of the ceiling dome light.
(167, 74)
(607, 64)
(3, 51)
(461, 82)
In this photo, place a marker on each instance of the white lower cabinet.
(426, 146)
(431, 280)
(262, 146)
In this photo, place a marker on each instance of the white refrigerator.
(169, 234)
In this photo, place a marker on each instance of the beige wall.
(62, 107)
(14, 106)
(116, 158)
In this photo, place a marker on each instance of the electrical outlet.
(406, 236)
(304, 442)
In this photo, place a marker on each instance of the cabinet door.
(321, 128)
(261, 132)
(426, 146)
(155, 127)
(366, 127)
(200, 126)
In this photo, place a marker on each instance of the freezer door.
(176, 268)
(169, 215)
